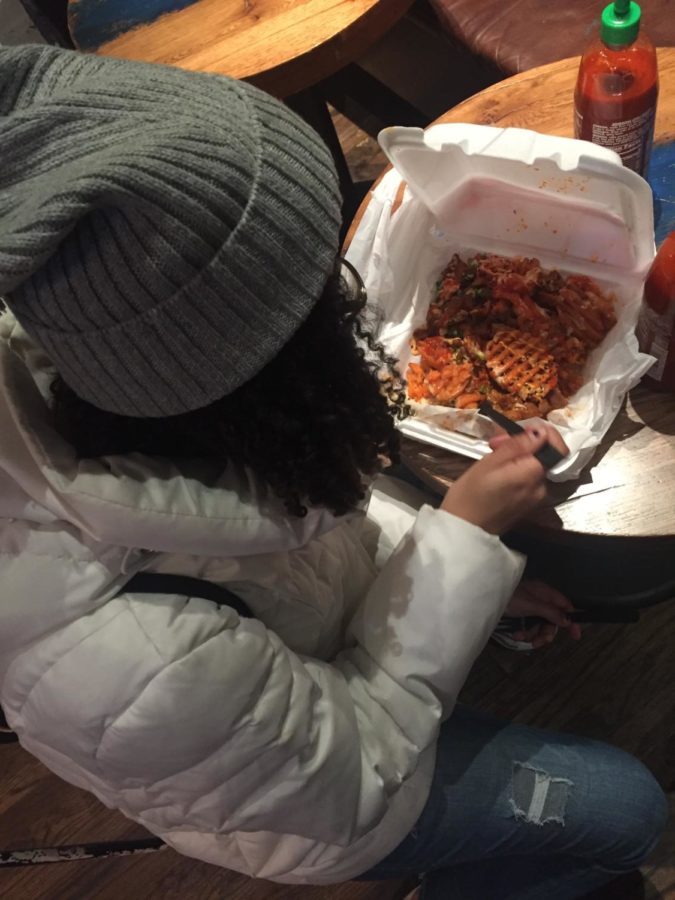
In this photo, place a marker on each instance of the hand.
(551, 434)
(534, 598)
(504, 486)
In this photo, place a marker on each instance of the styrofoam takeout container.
(473, 188)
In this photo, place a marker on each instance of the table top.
(282, 46)
(628, 490)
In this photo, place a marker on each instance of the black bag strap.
(166, 583)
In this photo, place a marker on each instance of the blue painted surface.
(94, 22)
(661, 177)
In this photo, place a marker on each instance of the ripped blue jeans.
(517, 813)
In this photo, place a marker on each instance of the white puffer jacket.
(298, 746)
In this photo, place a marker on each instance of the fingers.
(550, 435)
(542, 635)
(546, 636)
(536, 598)
(498, 440)
(501, 488)
(533, 606)
(538, 635)
(542, 592)
(554, 438)
(527, 474)
(550, 604)
(506, 447)
(539, 590)
(575, 631)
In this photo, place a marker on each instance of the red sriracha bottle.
(617, 87)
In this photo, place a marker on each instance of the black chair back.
(50, 17)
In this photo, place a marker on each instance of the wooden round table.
(628, 491)
(282, 46)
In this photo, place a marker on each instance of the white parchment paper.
(400, 257)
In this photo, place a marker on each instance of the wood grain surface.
(541, 99)
(282, 46)
(629, 489)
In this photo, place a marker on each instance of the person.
(189, 389)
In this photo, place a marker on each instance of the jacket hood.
(132, 500)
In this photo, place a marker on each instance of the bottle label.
(654, 333)
(630, 138)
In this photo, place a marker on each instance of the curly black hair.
(316, 420)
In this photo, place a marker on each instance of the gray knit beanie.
(162, 233)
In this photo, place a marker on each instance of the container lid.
(620, 23)
(517, 192)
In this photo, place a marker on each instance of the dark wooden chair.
(516, 35)
(49, 17)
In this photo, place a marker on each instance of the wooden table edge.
(283, 79)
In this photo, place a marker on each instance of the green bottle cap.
(620, 23)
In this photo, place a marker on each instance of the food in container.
(473, 189)
(506, 330)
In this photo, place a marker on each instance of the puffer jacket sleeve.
(186, 716)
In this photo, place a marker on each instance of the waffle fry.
(505, 330)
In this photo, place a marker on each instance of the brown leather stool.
(516, 36)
